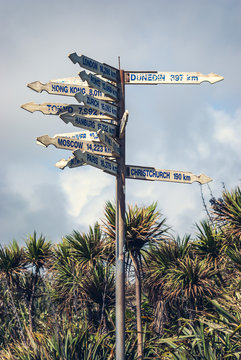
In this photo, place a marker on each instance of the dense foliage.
(183, 297)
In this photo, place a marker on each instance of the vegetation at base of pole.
(183, 295)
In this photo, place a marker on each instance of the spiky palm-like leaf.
(11, 260)
(37, 251)
(210, 241)
(190, 280)
(227, 211)
(87, 248)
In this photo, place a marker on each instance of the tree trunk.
(138, 308)
(15, 311)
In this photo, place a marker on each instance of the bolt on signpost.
(102, 144)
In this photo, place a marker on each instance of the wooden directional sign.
(68, 80)
(56, 88)
(57, 109)
(148, 173)
(97, 104)
(81, 135)
(107, 71)
(89, 124)
(109, 142)
(100, 85)
(123, 123)
(155, 77)
(97, 161)
(66, 143)
(71, 162)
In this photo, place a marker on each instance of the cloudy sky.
(193, 128)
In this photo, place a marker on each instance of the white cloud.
(227, 127)
(84, 187)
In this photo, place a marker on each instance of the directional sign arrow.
(81, 135)
(155, 77)
(148, 173)
(123, 123)
(56, 88)
(109, 142)
(99, 84)
(71, 162)
(62, 142)
(97, 104)
(57, 109)
(97, 161)
(104, 70)
(89, 124)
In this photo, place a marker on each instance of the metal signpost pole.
(120, 236)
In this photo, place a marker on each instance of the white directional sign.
(109, 142)
(71, 162)
(66, 143)
(65, 89)
(148, 173)
(97, 104)
(81, 135)
(57, 109)
(156, 77)
(104, 70)
(100, 85)
(89, 124)
(97, 161)
(74, 80)
(123, 123)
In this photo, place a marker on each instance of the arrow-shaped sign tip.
(28, 106)
(43, 140)
(83, 75)
(79, 154)
(203, 179)
(61, 164)
(215, 78)
(64, 117)
(73, 57)
(79, 97)
(36, 86)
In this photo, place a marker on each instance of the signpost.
(81, 135)
(57, 109)
(104, 70)
(65, 89)
(89, 124)
(156, 77)
(66, 143)
(152, 174)
(106, 101)
(72, 162)
(97, 104)
(103, 86)
(97, 161)
(109, 142)
(123, 123)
